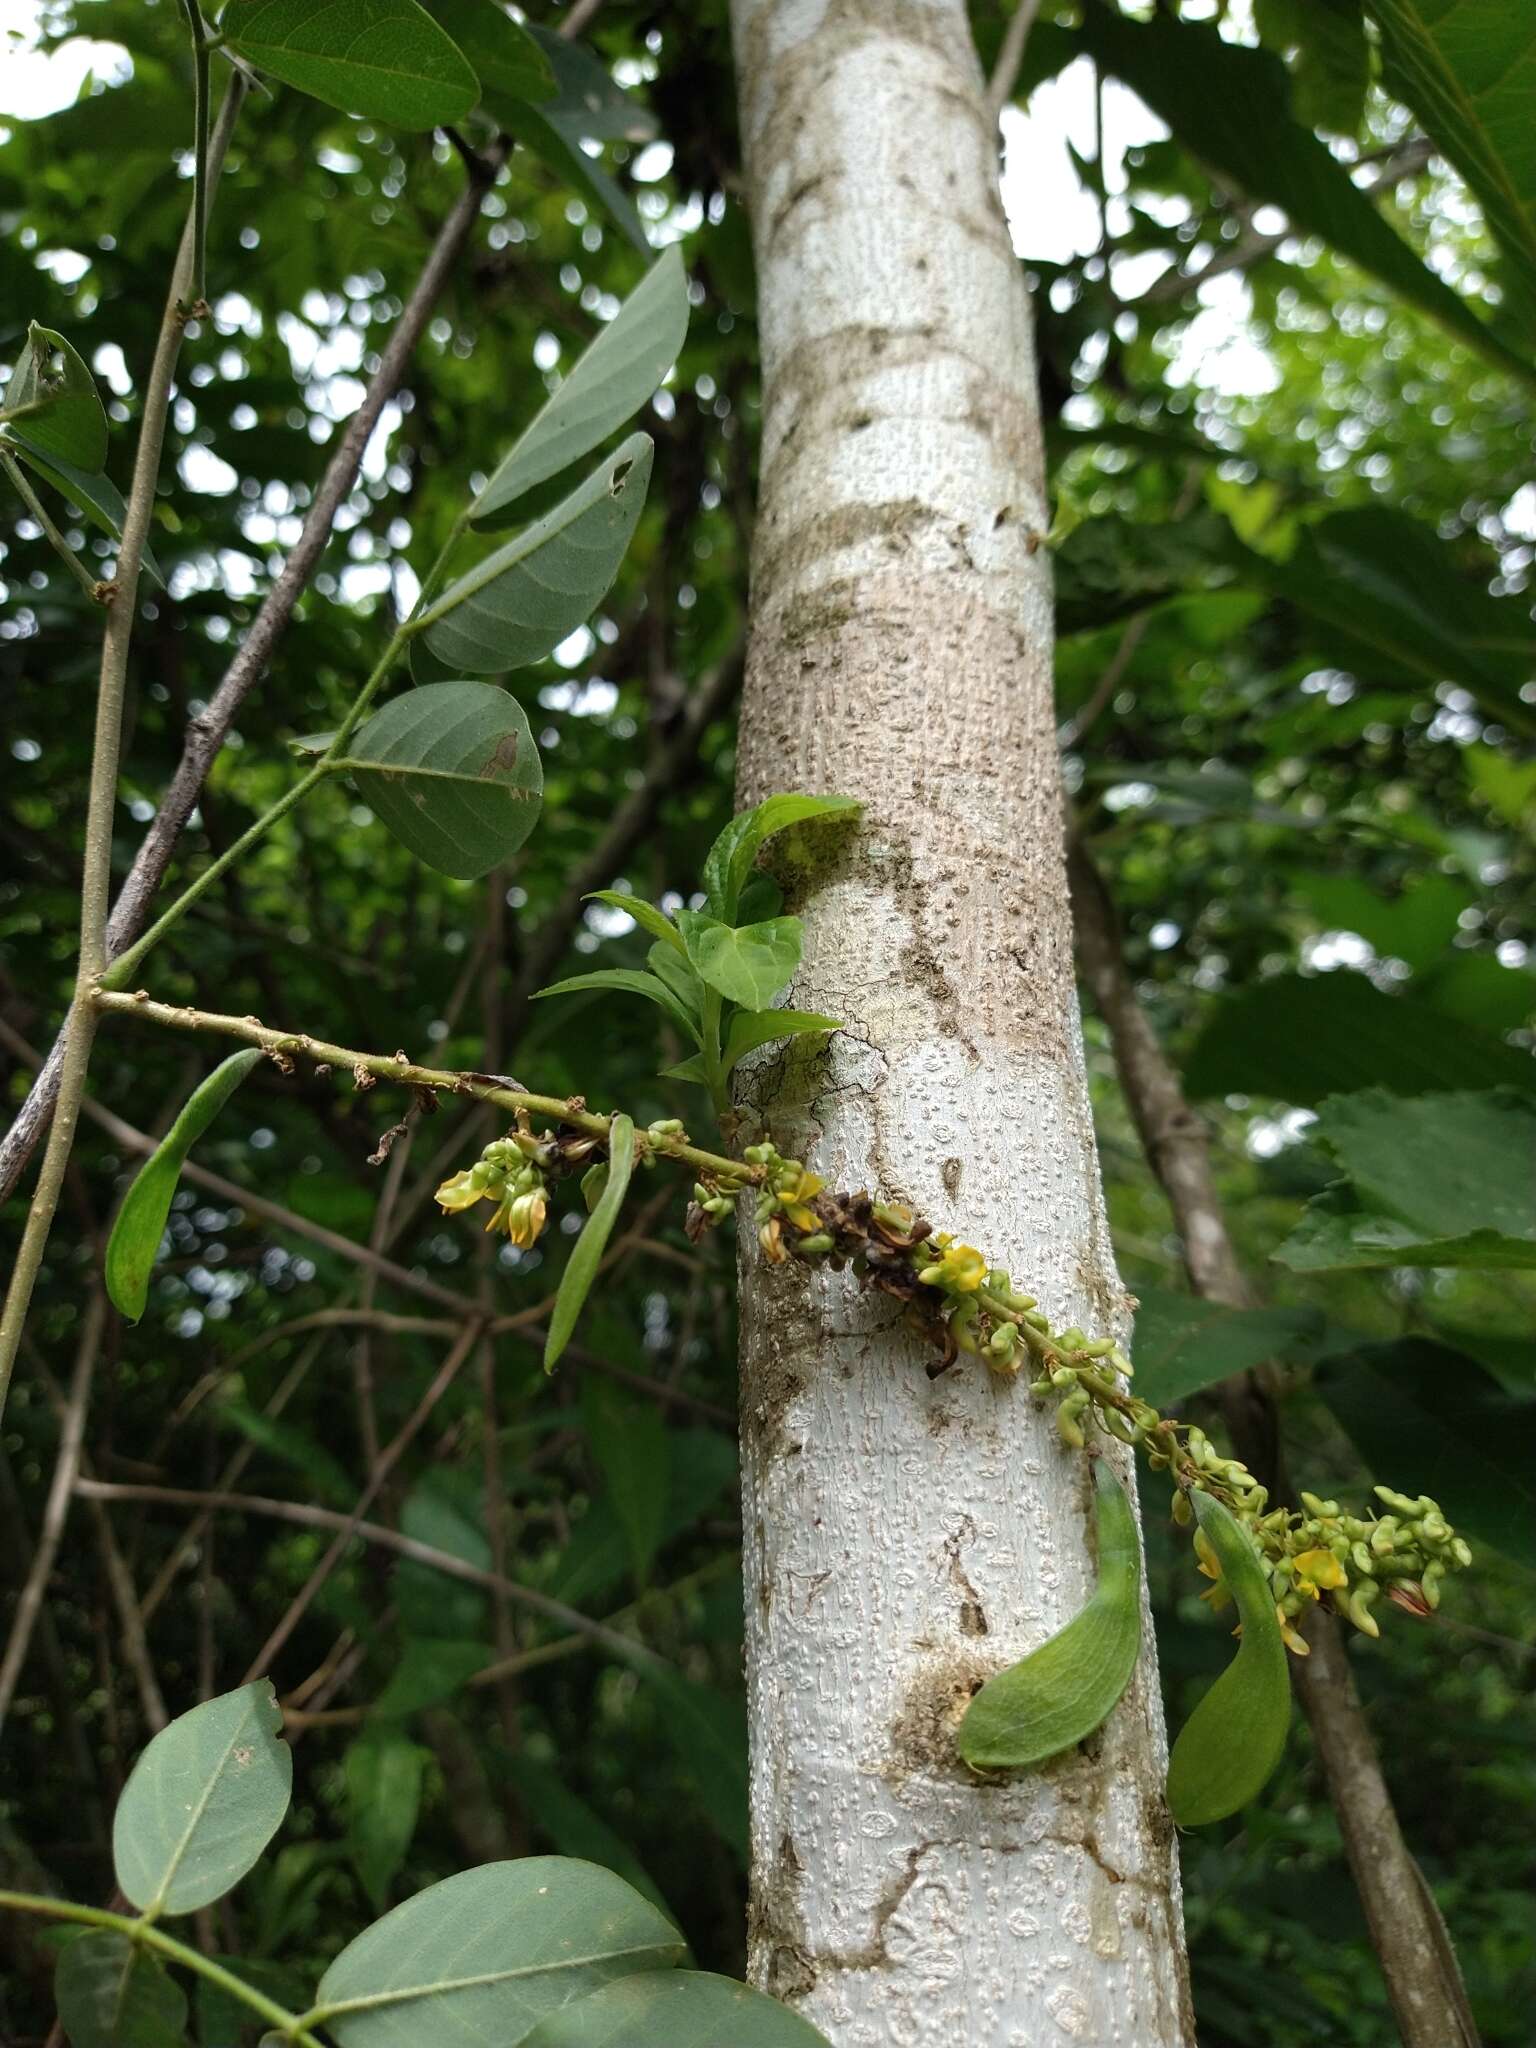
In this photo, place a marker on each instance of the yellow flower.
(795, 1192)
(1209, 1562)
(1317, 1572)
(770, 1236)
(525, 1218)
(461, 1191)
(1291, 1639)
(960, 1269)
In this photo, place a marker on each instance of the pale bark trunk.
(905, 1538)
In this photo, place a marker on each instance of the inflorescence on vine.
(957, 1302)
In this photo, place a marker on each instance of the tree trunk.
(906, 1537)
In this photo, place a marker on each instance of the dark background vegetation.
(1276, 804)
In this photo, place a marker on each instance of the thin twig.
(93, 589)
(1010, 57)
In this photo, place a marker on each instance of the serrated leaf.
(95, 495)
(1230, 1745)
(383, 1776)
(729, 860)
(524, 599)
(1060, 1693)
(452, 770)
(508, 62)
(587, 1252)
(612, 380)
(111, 1993)
(203, 1801)
(385, 59)
(678, 2009)
(749, 963)
(1429, 1415)
(629, 981)
(55, 406)
(140, 1222)
(1183, 1343)
(646, 915)
(481, 1958)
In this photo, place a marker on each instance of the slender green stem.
(714, 1072)
(61, 547)
(291, 2025)
(199, 150)
(111, 694)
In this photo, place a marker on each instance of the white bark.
(905, 1538)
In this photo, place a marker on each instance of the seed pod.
(1232, 1741)
(1061, 1692)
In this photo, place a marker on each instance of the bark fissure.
(910, 1537)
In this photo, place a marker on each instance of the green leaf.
(1415, 927)
(729, 860)
(57, 406)
(383, 1773)
(1227, 103)
(587, 1252)
(1440, 1180)
(94, 493)
(113, 1994)
(671, 965)
(1183, 1344)
(1331, 68)
(1468, 70)
(481, 1958)
(431, 1669)
(1231, 1743)
(508, 62)
(452, 770)
(203, 1801)
(632, 982)
(225, 2021)
(140, 1223)
(588, 106)
(613, 379)
(683, 2009)
(751, 1028)
(1061, 1692)
(646, 915)
(1425, 1416)
(708, 1733)
(691, 1069)
(292, 1444)
(1399, 609)
(630, 1443)
(748, 963)
(518, 603)
(1302, 1037)
(385, 59)
(573, 1826)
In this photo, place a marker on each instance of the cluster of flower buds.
(514, 1174)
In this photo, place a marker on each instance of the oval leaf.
(452, 770)
(384, 1772)
(587, 1253)
(518, 603)
(113, 1994)
(386, 59)
(752, 1028)
(140, 1224)
(203, 1801)
(748, 963)
(676, 2009)
(54, 405)
(509, 63)
(94, 493)
(1232, 1741)
(612, 380)
(1061, 1692)
(729, 860)
(481, 1958)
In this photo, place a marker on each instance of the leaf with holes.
(518, 603)
(385, 59)
(140, 1223)
(1232, 1742)
(1061, 1692)
(111, 1993)
(612, 380)
(676, 2009)
(203, 1801)
(587, 1252)
(52, 406)
(452, 770)
(481, 1958)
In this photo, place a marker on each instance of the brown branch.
(1419, 1967)
(1010, 57)
(207, 732)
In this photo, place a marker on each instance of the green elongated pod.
(1061, 1692)
(1231, 1743)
